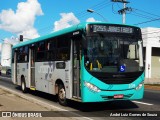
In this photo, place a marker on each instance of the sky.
(34, 18)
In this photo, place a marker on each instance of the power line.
(147, 12)
(113, 9)
(147, 21)
(103, 6)
(95, 7)
(146, 15)
(141, 15)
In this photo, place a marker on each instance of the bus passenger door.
(15, 68)
(76, 69)
(32, 67)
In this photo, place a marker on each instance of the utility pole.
(123, 11)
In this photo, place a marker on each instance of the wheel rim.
(62, 94)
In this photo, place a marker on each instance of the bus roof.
(73, 28)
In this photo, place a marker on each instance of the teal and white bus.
(88, 62)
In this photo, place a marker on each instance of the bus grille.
(117, 78)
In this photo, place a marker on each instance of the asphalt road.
(149, 105)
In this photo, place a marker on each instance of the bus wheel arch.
(61, 92)
(23, 84)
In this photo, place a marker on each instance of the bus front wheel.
(62, 95)
(23, 86)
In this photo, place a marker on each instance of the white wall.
(6, 54)
(151, 38)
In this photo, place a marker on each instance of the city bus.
(88, 62)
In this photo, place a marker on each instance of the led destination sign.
(112, 29)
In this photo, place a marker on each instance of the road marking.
(40, 102)
(142, 103)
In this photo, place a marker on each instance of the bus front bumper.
(104, 95)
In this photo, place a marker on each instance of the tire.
(62, 95)
(23, 86)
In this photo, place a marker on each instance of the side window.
(20, 51)
(41, 46)
(63, 47)
(23, 54)
(26, 54)
(40, 51)
(51, 49)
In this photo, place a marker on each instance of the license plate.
(118, 96)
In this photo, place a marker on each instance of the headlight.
(92, 87)
(139, 86)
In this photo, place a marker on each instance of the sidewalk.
(152, 87)
(11, 102)
(152, 81)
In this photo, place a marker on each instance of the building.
(6, 54)
(151, 44)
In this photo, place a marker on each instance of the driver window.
(132, 52)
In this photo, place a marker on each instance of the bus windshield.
(113, 54)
